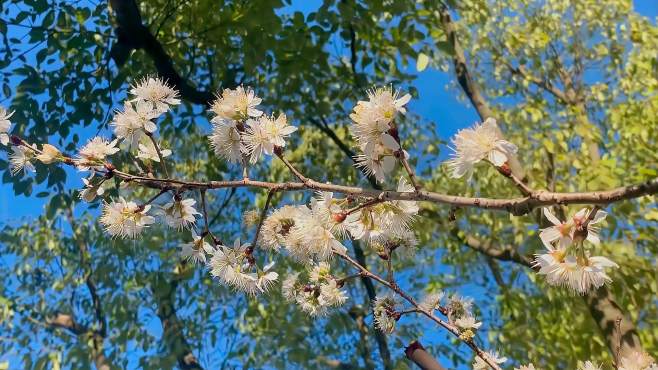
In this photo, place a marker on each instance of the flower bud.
(49, 154)
(339, 217)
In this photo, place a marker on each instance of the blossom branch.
(522, 186)
(395, 288)
(516, 206)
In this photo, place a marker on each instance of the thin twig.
(410, 172)
(156, 196)
(263, 214)
(396, 288)
(157, 149)
(207, 231)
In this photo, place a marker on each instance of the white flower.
(589, 365)
(431, 301)
(458, 307)
(91, 191)
(147, 150)
(480, 364)
(256, 140)
(125, 219)
(308, 300)
(262, 135)
(5, 125)
(314, 231)
(94, 152)
(580, 274)
(238, 104)
(320, 272)
(637, 361)
(372, 118)
(155, 91)
(563, 232)
(377, 160)
(385, 314)
(196, 250)
(373, 131)
(49, 154)
(225, 140)
(266, 278)
(278, 129)
(231, 266)
(180, 213)
(483, 142)
(20, 159)
(133, 123)
(331, 295)
(277, 226)
(315, 297)
(397, 215)
(467, 322)
(526, 367)
(592, 231)
(290, 287)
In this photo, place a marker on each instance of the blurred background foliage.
(573, 84)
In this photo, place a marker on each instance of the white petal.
(388, 164)
(551, 217)
(600, 216)
(390, 142)
(497, 157)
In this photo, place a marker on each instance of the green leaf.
(422, 61)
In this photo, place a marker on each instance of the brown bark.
(417, 353)
(133, 35)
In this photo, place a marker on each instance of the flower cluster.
(472, 145)
(315, 295)
(127, 219)
(567, 262)
(236, 268)
(375, 131)
(240, 129)
(460, 314)
(311, 233)
(385, 313)
(634, 361)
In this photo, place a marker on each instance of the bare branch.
(132, 35)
